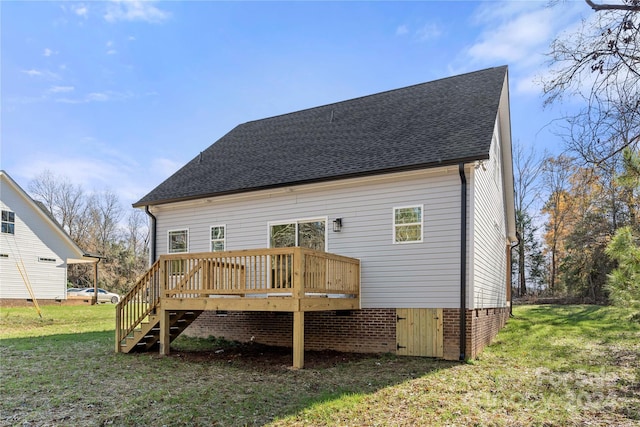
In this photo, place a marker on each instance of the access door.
(419, 332)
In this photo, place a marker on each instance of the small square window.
(178, 241)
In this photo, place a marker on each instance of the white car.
(103, 295)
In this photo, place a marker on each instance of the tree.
(529, 258)
(93, 222)
(600, 63)
(633, 5)
(530, 265)
(629, 180)
(556, 173)
(624, 281)
(65, 201)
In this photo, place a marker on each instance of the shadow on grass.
(78, 379)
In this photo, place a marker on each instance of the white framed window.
(307, 233)
(407, 224)
(178, 241)
(218, 238)
(8, 222)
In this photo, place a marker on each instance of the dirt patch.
(259, 356)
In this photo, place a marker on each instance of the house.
(378, 224)
(34, 250)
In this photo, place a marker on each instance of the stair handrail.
(141, 301)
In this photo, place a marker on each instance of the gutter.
(150, 201)
(152, 242)
(463, 261)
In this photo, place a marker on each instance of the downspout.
(510, 283)
(463, 261)
(152, 243)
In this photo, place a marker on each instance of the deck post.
(298, 339)
(118, 327)
(298, 315)
(165, 331)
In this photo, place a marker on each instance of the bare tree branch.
(633, 6)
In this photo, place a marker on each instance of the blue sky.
(119, 94)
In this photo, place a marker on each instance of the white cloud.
(165, 167)
(61, 89)
(97, 97)
(49, 52)
(428, 32)
(135, 10)
(520, 32)
(402, 30)
(516, 39)
(81, 10)
(46, 74)
(33, 73)
(110, 49)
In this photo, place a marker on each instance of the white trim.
(307, 188)
(298, 221)
(224, 239)
(394, 225)
(169, 244)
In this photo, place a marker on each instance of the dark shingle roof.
(430, 124)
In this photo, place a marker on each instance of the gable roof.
(432, 124)
(49, 220)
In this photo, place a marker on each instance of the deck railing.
(288, 272)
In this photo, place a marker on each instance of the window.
(8, 222)
(178, 241)
(407, 224)
(218, 238)
(44, 259)
(305, 233)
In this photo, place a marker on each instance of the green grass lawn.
(551, 365)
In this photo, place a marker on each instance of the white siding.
(33, 238)
(489, 239)
(414, 275)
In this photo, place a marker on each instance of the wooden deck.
(178, 287)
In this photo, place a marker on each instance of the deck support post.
(298, 339)
(165, 332)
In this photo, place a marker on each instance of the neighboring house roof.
(432, 124)
(81, 256)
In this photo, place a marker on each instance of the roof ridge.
(317, 107)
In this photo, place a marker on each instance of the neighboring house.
(415, 183)
(34, 250)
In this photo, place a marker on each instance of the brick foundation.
(362, 331)
(482, 326)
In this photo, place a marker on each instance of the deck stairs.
(146, 337)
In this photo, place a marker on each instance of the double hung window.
(8, 222)
(218, 238)
(407, 224)
(178, 242)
